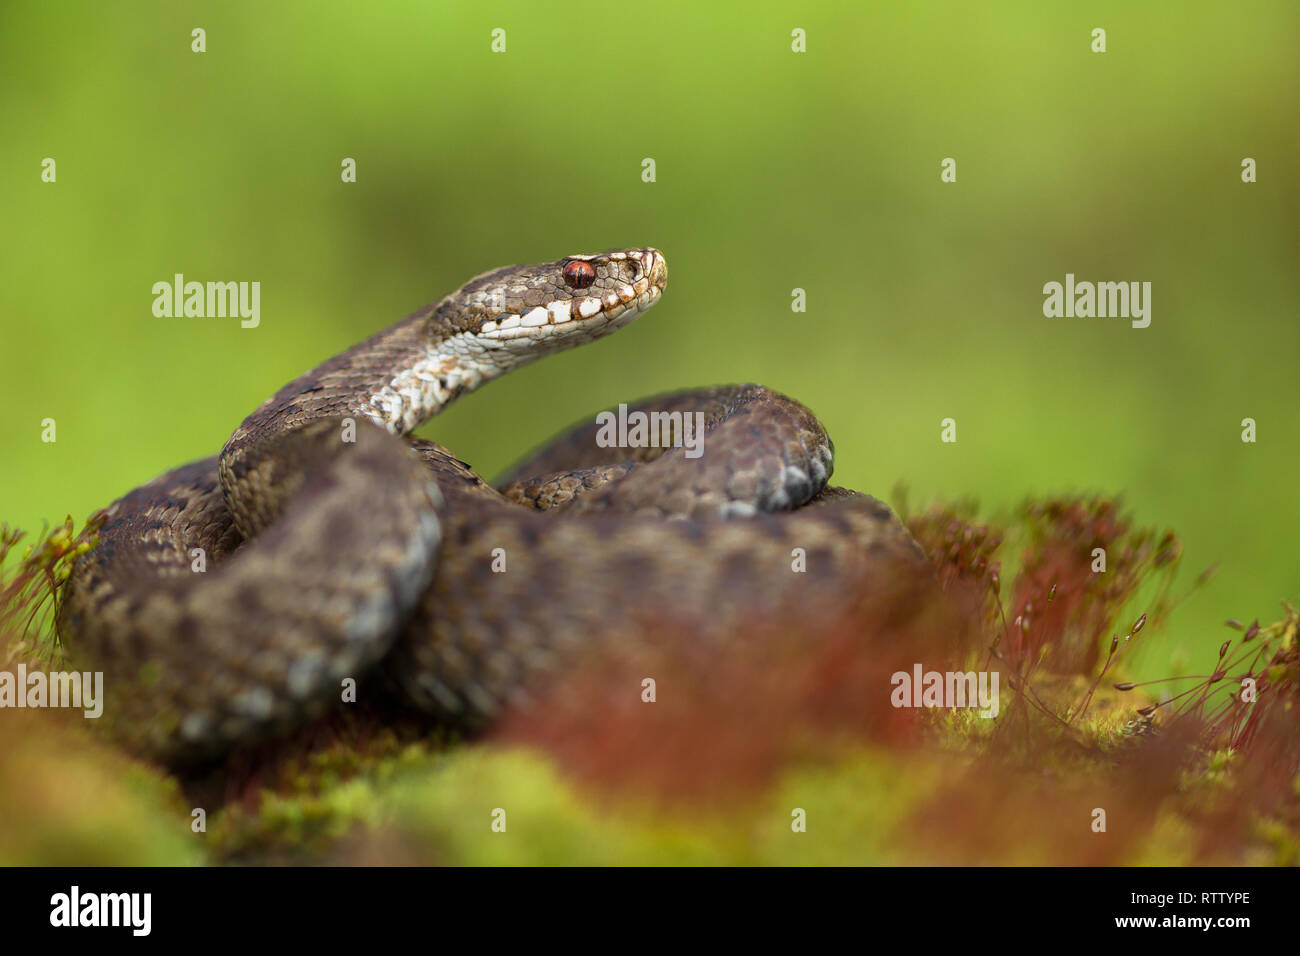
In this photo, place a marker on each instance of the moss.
(66, 799)
(1188, 775)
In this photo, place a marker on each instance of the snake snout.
(656, 268)
(642, 270)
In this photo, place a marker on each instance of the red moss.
(727, 719)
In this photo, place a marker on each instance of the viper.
(228, 600)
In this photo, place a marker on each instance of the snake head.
(494, 323)
(556, 305)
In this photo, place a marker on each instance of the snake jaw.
(537, 304)
(509, 317)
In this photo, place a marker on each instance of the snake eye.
(579, 274)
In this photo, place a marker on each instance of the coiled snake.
(228, 599)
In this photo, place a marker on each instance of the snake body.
(227, 600)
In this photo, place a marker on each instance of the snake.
(228, 601)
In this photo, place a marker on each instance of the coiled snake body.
(227, 599)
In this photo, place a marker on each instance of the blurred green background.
(774, 171)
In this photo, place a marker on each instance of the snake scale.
(227, 600)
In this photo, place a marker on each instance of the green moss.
(67, 800)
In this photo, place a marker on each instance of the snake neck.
(402, 376)
(496, 322)
(434, 374)
(397, 378)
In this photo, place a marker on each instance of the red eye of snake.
(579, 274)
